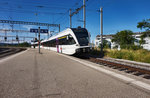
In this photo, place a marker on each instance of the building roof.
(110, 36)
(106, 36)
(98, 36)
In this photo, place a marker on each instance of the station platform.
(53, 75)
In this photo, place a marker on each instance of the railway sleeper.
(147, 76)
(138, 73)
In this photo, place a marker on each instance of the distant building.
(97, 41)
(105, 37)
(136, 35)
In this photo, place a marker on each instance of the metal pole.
(84, 14)
(101, 21)
(70, 18)
(5, 35)
(39, 39)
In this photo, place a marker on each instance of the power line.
(41, 8)
(68, 10)
(61, 16)
(27, 11)
(35, 3)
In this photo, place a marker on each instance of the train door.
(61, 49)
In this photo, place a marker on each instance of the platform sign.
(41, 30)
(34, 30)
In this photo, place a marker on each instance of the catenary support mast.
(101, 26)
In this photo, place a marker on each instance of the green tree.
(106, 44)
(145, 24)
(124, 38)
(25, 44)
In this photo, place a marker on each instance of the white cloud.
(28, 27)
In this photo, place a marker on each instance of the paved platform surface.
(49, 75)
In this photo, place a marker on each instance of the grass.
(139, 55)
(134, 55)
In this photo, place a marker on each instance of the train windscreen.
(82, 36)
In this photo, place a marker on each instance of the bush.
(25, 44)
(131, 47)
(106, 44)
(134, 55)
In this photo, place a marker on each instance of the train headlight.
(84, 50)
(77, 50)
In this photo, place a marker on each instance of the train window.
(71, 40)
(66, 40)
(82, 36)
(51, 43)
(84, 39)
(54, 43)
(67, 37)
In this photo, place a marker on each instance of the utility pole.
(101, 26)
(84, 14)
(5, 35)
(39, 39)
(70, 18)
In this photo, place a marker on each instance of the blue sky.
(118, 14)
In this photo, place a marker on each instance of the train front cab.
(83, 40)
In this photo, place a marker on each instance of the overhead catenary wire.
(27, 11)
(25, 8)
(35, 4)
(69, 9)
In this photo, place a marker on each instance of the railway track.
(9, 51)
(136, 69)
